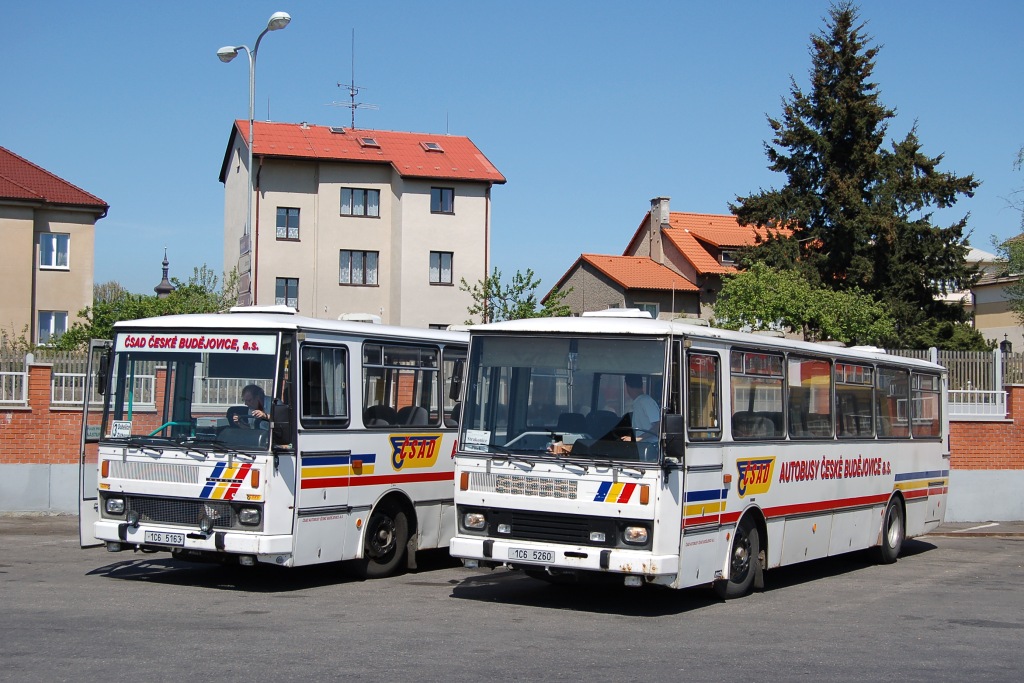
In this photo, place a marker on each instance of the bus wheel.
(384, 545)
(743, 559)
(892, 533)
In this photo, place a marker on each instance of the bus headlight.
(474, 520)
(249, 516)
(635, 535)
(115, 506)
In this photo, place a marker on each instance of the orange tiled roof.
(21, 179)
(459, 160)
(639, 272)
(694, 252)
(693, 233)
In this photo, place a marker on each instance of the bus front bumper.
(272, 549)
(565, 558)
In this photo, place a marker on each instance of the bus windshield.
(214, 389)
(593, 398)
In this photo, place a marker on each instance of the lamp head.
(278, 20)
(227, 53)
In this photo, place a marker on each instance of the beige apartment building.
(47, 230)
(349, 222)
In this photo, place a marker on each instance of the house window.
(442, 200)
(287, 292)
(53, 250)
(52, 324)
(357, 267)
(440, 267)
(650, 308)
(360, 202)
(287, 223)
(728, 257)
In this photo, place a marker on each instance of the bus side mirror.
(674, 443)
(280, 413)
(101, 372)
(455, 391)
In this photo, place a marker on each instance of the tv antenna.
(353, 89)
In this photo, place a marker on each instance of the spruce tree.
(852, 213)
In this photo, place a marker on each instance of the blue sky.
(589, 108)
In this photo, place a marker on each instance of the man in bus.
(646, 415)
(253, 397)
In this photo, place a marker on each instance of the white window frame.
(54, 239)
(56, 324)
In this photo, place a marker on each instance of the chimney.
(659, 221)
(659, 212)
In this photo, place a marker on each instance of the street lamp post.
(278, 20)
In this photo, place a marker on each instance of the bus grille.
(556, 528)
(185, 512)
(519, 485)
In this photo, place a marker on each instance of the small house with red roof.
(47, 227)
(672, 266)
(358, 221)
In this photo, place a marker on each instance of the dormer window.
(432, 147)
(369, 142)
(728, 258)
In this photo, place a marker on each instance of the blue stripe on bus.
(713, 494)
(217, 471)
(909, 476)
(602, 492)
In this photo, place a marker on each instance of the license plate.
(530, 555)
(163, 538)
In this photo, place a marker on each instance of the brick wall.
(991, 445)
(39, 434)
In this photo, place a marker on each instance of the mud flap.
(410, 551)
(759, 572)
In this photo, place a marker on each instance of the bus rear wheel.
(384, 544)
(892, 533)
(743, 561)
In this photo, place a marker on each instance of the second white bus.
(764, 452)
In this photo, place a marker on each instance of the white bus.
(263, 436)
(761, 452)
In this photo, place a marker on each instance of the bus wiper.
(210, 446)
(140, 443)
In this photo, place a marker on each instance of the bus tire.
(892, 533)
(743, 561)
(384, 544)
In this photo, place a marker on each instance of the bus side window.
(703, 406)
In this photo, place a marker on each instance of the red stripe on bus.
(230, 495)
(402, 478)
(324, 483)
(627, 491)
(697, 521)
(336, 482)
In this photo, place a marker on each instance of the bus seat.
(601, 422)
(453, 419)
(413, 416)
(380, 416)
(572, 422)
(747, 425)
